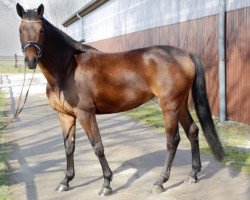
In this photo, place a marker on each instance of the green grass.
(4, 182)
(233, 135)
(12, 70)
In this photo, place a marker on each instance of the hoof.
(105, 191)
(62, 188)
(191, 179)
(157, 189)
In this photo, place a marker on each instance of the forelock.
(31, 14)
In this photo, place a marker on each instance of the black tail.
(203, 110)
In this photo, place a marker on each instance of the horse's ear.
(40, 10)
(20, 10)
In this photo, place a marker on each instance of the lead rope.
(18, 108)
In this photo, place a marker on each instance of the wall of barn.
(188, 24)
(238, 65)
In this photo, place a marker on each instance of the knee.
(69, 150)
(193, 132)
(173, 143)
(177, 139)
(98, 149)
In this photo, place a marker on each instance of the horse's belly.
(120, 101)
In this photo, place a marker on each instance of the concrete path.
(135, 153)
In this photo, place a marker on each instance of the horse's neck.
(57, 57)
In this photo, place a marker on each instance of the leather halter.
(32, 42)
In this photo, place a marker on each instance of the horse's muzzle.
(31, 63)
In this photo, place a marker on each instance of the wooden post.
(222, 58)
(15, 60)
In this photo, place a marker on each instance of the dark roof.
(87, 8)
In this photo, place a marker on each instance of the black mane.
(78, 47)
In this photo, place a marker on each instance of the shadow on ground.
(53, 143)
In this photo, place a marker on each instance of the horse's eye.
(20, 31)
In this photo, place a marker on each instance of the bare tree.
(9, 6)
(6, 3)
(59, 10)
(6, 6)
(56, 11)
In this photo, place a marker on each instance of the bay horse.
(83, 82)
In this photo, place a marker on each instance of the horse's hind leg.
(191, 131)
(89, 124)
(68, 126)
(173, 139)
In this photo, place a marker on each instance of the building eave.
(92, 5)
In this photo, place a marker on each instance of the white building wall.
(118, 17)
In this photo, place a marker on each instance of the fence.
(15, 61)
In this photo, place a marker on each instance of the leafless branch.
(6, 5)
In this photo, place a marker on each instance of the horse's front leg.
(89, 124)
(68, 123)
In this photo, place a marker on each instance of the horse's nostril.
(33, 60)
(31, 63)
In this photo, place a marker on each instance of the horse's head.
(31, 34)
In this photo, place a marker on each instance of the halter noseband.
(32, 42)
